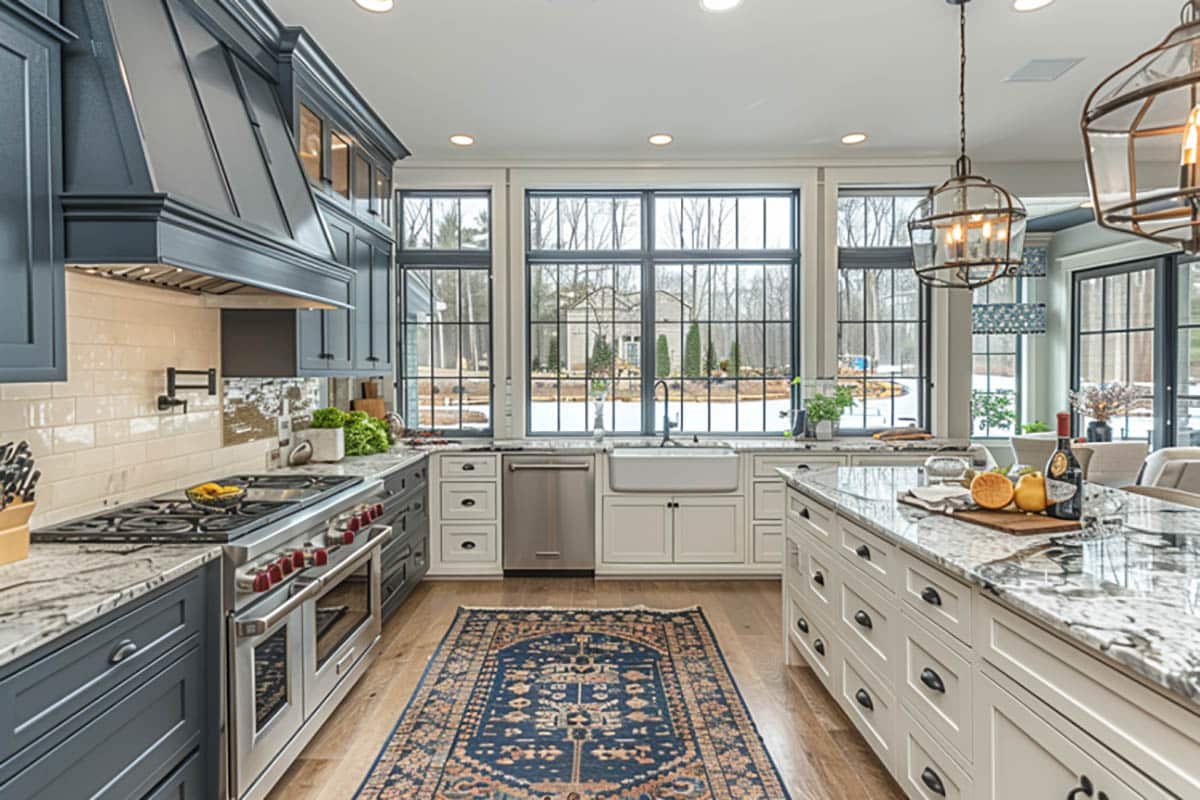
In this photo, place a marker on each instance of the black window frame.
(647, 256)
(472, 259)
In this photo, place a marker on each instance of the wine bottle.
(1064, 467)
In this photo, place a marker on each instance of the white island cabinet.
(983, 666)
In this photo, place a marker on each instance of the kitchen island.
(980, 664)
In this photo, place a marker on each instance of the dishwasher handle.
(568, 467)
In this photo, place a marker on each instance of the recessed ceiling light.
(377, 6)
(462, 140)
(854, 138)
(1030, 5)
(717, 6)
(661, 139)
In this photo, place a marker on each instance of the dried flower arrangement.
(1104, 401)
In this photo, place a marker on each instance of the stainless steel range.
(300, 598)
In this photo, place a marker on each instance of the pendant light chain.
(962, 167)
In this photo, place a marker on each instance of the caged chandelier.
(1143, 116)
(968, 232)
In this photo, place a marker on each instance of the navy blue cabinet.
(326, 338)
(32, 288)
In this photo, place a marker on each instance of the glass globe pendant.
(1142, 117)
(969, 231)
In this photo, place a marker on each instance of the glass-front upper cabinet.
(312, 144)
(339, 157)
(383, 196)
(362, 185)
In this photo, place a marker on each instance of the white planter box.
(329, 444)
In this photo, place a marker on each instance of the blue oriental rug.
(528, 704)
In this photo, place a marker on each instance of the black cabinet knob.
(468, 467)
(819, 579)
(803, 468)
(933, 680)
(864, 699)
(931, 780)
(863, 552)
(468, 502)
(930, 595)
(804, 514)
(819, 646)
(1084, 789)
(468, 545)
(802, 624)
(863, 619)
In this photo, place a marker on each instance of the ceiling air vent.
(1044, 70)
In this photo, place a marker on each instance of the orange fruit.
(1030, 493)
(991, 491)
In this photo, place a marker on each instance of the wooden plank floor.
(817, 750)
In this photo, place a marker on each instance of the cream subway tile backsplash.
(98, 437)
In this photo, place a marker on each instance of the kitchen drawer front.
(868, 623)
(793, 562)
(868, 552)
(768, 543)
(188, 782)
(870, 705)
(924, 769)
(469, 502)
(821, 579)
(1148, 730)
(813, 518)
(469, 543)
(944, 601)
(937, 685)
(130, 747)
(57, 688)
(811, 637)
(468, 467)
(765, 466)
(769, 499)
(409, 479)
(393, 553)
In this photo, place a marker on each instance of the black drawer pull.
(819, 579)
(864, 699)
(468, 502)
(819, 646)
(863, 552)
(468, 467)
(804, 514)
(863, 619)
(1085, 788)
(930, 595)
(802, 624)
(468, 545)
(122, 651)
(933, 680)
(803, 468)
(931, 779)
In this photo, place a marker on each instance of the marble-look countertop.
(1128, 588)
(61, 587)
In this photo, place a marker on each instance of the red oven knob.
(286, 565)
(354, 524)
(364, 519)
(262, 582)
(348, 537)
(378, 510)
(276, 572)
(320, 556)
(298, 559)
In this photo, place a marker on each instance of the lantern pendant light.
(1143, 116)
(969, 231)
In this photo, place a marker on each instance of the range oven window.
(342, 611)
(270, 677)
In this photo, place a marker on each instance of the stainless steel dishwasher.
(549, 513)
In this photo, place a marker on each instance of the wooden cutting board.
(374, 406)
(1015, 522)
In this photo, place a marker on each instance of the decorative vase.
(824, 431)
(328, 444)
(1099, 431)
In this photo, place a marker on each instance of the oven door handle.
(257, 627)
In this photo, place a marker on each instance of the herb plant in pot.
(326, 435)
(824, 411)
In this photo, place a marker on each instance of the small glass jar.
(945, 469)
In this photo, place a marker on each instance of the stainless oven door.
(267, 687)
(343, 621)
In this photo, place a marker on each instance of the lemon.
(1030, 494)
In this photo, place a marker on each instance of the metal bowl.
(205, 503)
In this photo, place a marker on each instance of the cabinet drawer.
(793, 564)
(925, 771)
(868, 624)
(468, 467)
(185, 783)
(1145, 728)
(769, 499)
(812, 639)
(130, 747)
(944, 601)
(63, 685)
(870, 705)
(868, 552)
(468, 543)
(768, 544)
(821, 579)
(813, 518)
(469, 501)
(765, 466)
(937, 686)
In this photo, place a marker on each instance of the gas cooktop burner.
(156, 524)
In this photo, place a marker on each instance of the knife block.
(14, 532)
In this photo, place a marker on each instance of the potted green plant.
(824, 411)
(326, 435)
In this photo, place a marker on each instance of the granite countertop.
(61, 587)
(1128, 589)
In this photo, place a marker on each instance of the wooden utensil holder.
(14, 532)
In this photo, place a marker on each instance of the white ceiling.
(591, 79)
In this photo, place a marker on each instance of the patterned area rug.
(538, 704)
